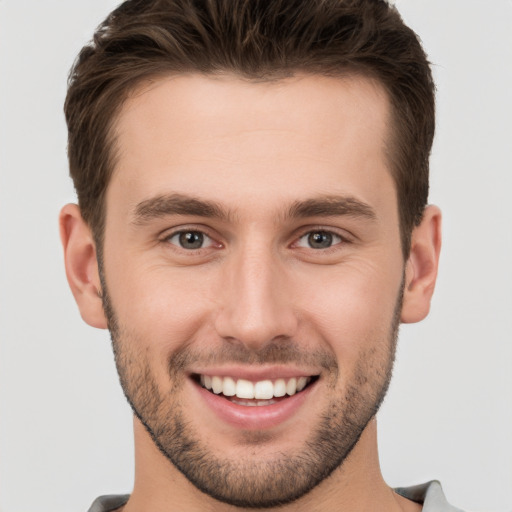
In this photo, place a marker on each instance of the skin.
(254, 150)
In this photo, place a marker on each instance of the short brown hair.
(256, 39)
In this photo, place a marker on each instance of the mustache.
(275, 352)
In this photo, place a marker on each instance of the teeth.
(229, 387)
(217, 385)
(279, 387)
(291, 387)
(244, 389)
(263, 390)
(301, 383)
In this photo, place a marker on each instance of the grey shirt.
(430, 495)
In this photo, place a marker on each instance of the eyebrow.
(179, 204)
(332, 206)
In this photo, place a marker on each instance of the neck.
(356, 486)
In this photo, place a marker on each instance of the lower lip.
(255, 417)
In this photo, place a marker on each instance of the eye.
(190, 240)
(319, 240)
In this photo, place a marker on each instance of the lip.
(253, 418)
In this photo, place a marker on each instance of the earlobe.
(81, 265)
(422, 265)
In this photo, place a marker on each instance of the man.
(252, 227)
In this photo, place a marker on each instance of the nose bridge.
(256, 305)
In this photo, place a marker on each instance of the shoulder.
(431, 495)
(109, 503)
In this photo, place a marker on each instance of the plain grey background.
(65, 430)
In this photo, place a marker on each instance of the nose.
(256, 300)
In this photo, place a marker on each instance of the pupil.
(191, 240)
(320, 240)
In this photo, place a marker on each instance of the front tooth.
(207, 382)
(301, 383)
(244, 389)
(291, 386)
(217, 385)
(279, 388)
(264, 389)
(229, 387)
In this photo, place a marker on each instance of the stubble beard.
(253, 482)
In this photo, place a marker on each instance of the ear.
(421, 267)
(81, 265)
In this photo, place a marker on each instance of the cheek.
(163, 309)
(352, 310)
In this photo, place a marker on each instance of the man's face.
(252, 244)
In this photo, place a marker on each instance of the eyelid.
(167, 232)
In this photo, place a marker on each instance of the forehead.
(289, 138)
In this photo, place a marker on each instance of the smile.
(255, 399)
(257, 393)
